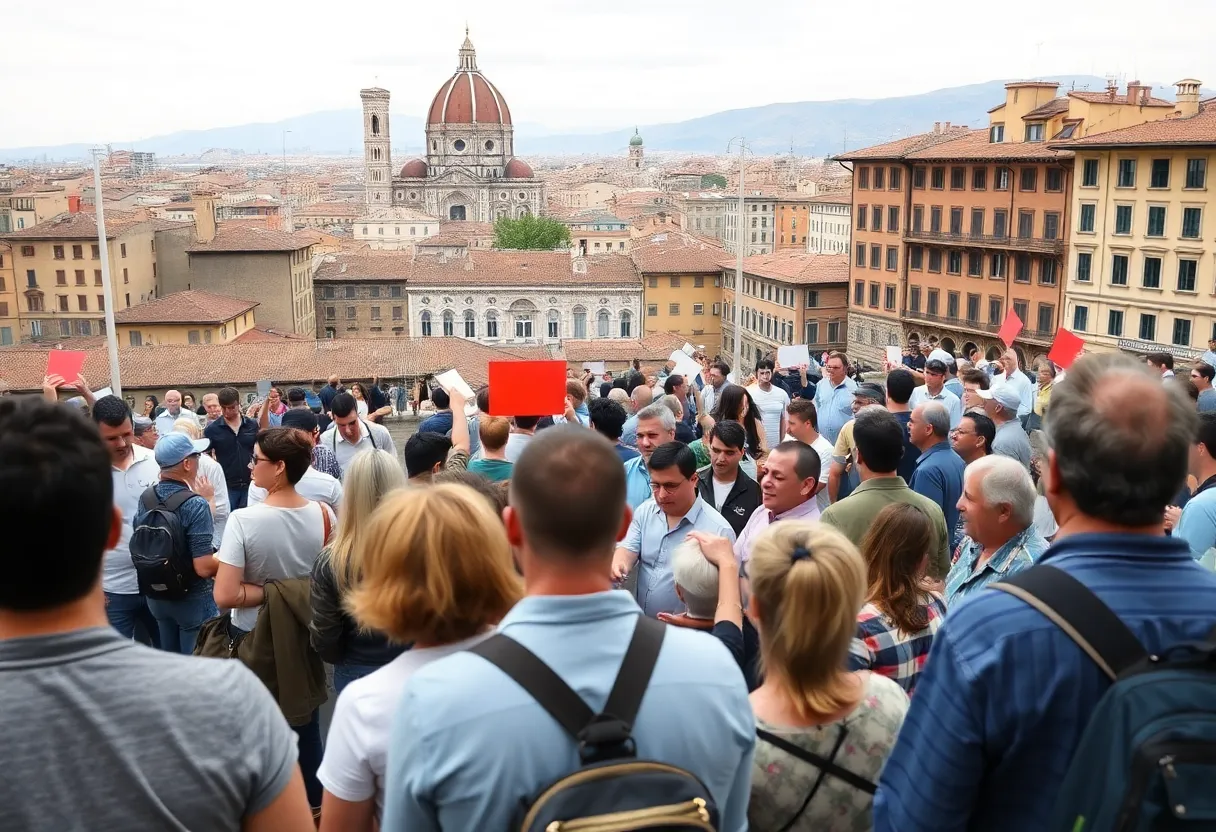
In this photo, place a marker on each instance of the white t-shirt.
(361, 407)
(771, 405)
(271, 543)
(516, 442)
(357, 745)
(314, 485)
(214, 473)
(721, 491)
(824, 448)
(118, 573)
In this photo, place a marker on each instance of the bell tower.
(635, 151)
(377, 155)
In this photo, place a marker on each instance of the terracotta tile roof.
(512, 268)
(1052, 108)
(189, 307)
(901, 147)
(656, 347)
(670, 252)
(792, 266)
(975, 145)
(229, 238)
(78, 226)
(467, 228)
(444, 240)
(390, 266)
(835, 197)
(206, 367)
(1120, 98)
(1199, 129)
(260, 334)
(329, 209)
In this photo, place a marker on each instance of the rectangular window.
(27, 251)
(812, 332)
(979, 179)
(1021, 268)
(918, 178)
(938, 179)
(892, 258)
(1156, 221)
(1025, 224)
(1051, 225)
(136, 338)
(812, 298)
(862, 213)
(859, 293)
(935, 219)
(958, 179)
(1127, 174)
(975, 264)
(863, 178)
(330, 313)
(956, 220)
(997, 266)
(1159, 175)
(1047, 271)
(58, 252)
(892, 218)
(1089, 173)
(82, 303)
(896, 179)
(995, 308)
(79, 277)
(931, 302)
(350, 291)
(31, 279)
(652, 310)
(973, 309)
(1080, 318)
(399, 313)
(1196, 173)
(1182, 332)
(935, 260)
(874, 295)
(194, 337)
(1118, 270)
(1085, 222)
(122, 248)
(1123, 219)
(375, 312)
(875, 256)
(1000, 222)
(61, 277)
(1187, 270)
(954, 262)
(675, 282)
(77, 252)
(95, 251)
(861, 256)
(1034, 132)
(914, 300)
(918, 218)
(1085, 262)
(889, 296)
(916, 258)
(97, 277)
(673, 309)
(996, 134)
(1047, 317)
(876, 218)
(977, 222)
(350, 313)
(698, 283)
(1028, 181)
(1114, 323)
(952, 305)
(1148, 327)
(1192, 223)
(1054, 180)
(717, 309)
(697, 309)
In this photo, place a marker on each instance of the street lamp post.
(737, 316)
(111, 334)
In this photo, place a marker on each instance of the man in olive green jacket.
(879, 441)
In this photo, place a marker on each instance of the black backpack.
(612, 791)
(158, 548)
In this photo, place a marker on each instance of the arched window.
(626, 325)
(470, 324)
(522, 312)
(426, 322)
(602, 322)
(449, 323)
(375, 125)
(491, 324)
(555, 323)
(580, 322)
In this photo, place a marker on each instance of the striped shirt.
(1006, 695)
(881, 647)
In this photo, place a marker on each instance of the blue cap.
(172, 448)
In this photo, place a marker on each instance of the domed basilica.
(470, 171)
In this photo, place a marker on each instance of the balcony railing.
(1026, 334)
(1035, 244)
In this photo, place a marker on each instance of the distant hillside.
(812, 127)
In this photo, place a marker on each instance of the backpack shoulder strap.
(149, 499)
(1082, 616)
(822, 763)
(637, 667)
(176, 499)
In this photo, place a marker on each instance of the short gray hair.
(937, 417)
(1121, 439)
(1004, 481)
(659, 411)
(697, 577)
(672, 403)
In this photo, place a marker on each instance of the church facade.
(470, 171)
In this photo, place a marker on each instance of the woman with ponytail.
(823, 732)
(895, 628)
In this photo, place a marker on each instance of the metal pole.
(106, 286)
(739, 275)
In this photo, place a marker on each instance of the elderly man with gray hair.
(939, 470)
(655, 425)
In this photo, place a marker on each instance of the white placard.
(596, 367)
(688, 349)
(451, 380)
(105, 391)
(894, 358)
(796, 356)
(685, 366)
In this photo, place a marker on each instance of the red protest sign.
(527, 388)
(64, 363)
(1010, 328)
(1065, 349)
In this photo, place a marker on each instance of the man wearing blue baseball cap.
(182, 492)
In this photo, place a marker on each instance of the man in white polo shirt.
(135, 470)
(349, 435)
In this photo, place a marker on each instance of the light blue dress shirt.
(637, 482)
(468, 743)
(1197, 525)
(652, 541)
(952, 402)
(629, 432)
(834, 405)
(1021, 383)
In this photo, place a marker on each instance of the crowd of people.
(787, 601)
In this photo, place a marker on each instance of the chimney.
(937, 127)
(204, 217)
(1112, 88)
(74, 204)
(1187, 98)
(1133, 92)
(946, 127)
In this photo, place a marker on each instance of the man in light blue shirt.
(1197, 525)
(469, 744)
(1012, 375)
(656, 426)
(1209, 355)
(834, 397)
(1203, 374)
(934, 390)
(660, 525)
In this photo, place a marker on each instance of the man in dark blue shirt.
(441, 421)
(900, 384)
(939, 470)
(232, 437)
(1006, 695)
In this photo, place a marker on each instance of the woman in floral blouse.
(823, 733)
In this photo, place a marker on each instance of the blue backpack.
(1147, 758)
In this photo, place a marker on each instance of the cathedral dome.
(414, 169)
(517, 169)
(636, 141)
(467, 97)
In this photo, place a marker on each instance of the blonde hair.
(368, 479)
(493, 431)
(189, 427)
(807, 611)
(437, 568)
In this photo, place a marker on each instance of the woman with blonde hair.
(895, 628)
(353, 652)
(437, 572)
(823, 733)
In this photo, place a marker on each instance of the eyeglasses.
(957, 432)
(670, 488)
(256, 459)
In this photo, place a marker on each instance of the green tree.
(713, 180)
(530, 232)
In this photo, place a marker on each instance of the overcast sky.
(81, 70)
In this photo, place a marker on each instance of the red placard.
(1010, 328)
(64, 363)
(527, 388)
(1065, 349)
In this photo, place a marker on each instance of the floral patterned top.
(781, 782)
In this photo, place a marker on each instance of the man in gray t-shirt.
(100, 733)
(1001, 405)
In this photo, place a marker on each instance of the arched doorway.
(913, 337)
(968, 346)
(948, 345)
(457, 212)
(993, 353)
